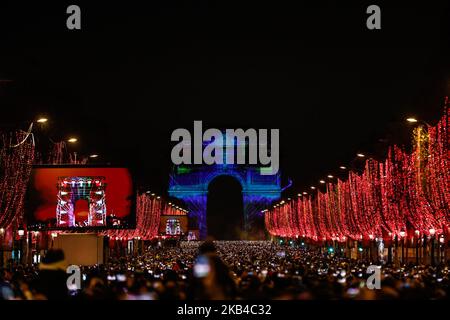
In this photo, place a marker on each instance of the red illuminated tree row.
(148, 213)
(16, 159)
(407, 194)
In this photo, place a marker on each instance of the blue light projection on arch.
(190, 184)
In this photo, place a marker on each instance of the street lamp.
(432, 233)
(330, 176)
(402, 235)
(72, 140)
(415, 120)
(343, 167)
(53, 235)
(322, 181)
(2, 232)
(93, 156)
(361, 155)
(21, 233)
(42, 120)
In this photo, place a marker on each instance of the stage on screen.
(75, 197)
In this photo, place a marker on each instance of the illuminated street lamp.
(93, 156)
(330, 176)
(342, 167)
(2, 232)
(42, 120)
(322, 181)
(21, 232)
(432, 233)
(415, 120)
(402, 235)
(72, 140)
(361, 155)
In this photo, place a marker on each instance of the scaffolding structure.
(72, 189)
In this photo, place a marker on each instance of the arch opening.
(225, 209)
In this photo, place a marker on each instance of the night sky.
(135, 72)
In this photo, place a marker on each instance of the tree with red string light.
(438, 170)
(404, 192)
(16, 159)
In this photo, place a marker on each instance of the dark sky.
(140, 69)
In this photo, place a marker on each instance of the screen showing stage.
(81, 197)
(171, 225)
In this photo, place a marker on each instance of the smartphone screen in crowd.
(201, 267)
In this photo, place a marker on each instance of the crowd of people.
(219, 270)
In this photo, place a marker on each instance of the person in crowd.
(51, 280)
(225, 270)
(6, 290)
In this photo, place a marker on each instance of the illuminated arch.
(190, 184)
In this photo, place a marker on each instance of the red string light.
(148, 213)
(16, 159)
(406, 193)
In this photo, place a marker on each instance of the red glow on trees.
(405, 194)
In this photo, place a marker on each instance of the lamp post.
(432, 233)
(36, 247)
(417, 232)
(2, 232)
(21, 233)
(402, 236)
(73, 140)
(53, 236)
(396, 249)
(441, 248)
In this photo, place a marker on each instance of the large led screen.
(80, 197)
